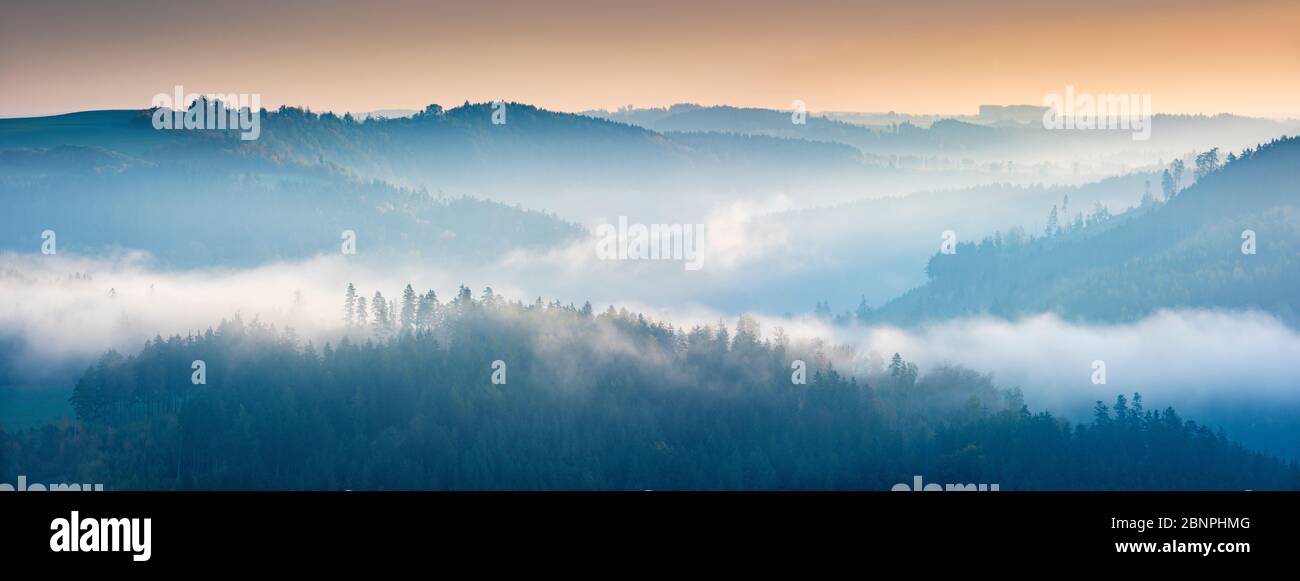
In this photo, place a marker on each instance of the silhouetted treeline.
(966, 136)
(589, 401)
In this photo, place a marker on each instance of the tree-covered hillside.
(464, 150)
(956, 135)
(412, 399)
(1192, 251)
(224, 208)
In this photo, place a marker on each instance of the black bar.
(437, 530)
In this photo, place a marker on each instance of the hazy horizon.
(865, 57)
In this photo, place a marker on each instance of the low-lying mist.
(64, 310)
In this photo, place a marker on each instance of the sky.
(936, 56)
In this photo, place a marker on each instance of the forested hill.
(220, 207)
(413, 400)
(1185, 252)
(962, 136)
(465, 149)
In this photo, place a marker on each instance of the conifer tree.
(381, 321)
(363, 316)
(350, 305)
(407, 320)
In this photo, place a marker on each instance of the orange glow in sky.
(944, 56)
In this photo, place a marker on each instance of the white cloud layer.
(1172, 357)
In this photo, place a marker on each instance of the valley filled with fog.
(1019, 253)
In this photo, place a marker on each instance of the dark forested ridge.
(1185, 252)
(588, 401)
